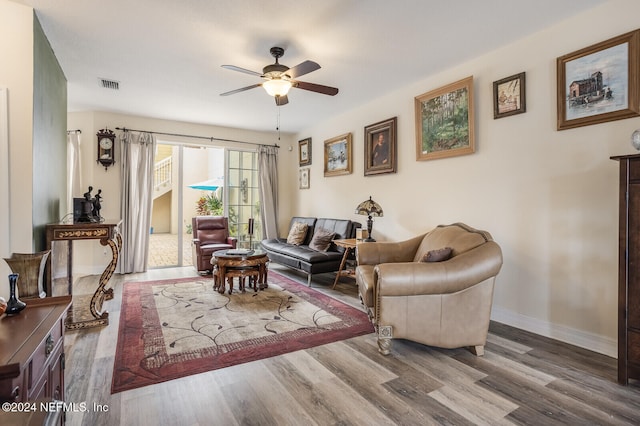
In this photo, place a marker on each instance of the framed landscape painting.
(599, 83)
(337, 155)
(444, 121)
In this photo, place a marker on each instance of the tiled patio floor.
(163, 250)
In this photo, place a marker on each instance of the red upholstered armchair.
(210, 233)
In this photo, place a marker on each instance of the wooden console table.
(108, 233)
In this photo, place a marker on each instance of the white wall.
(548, 197)
(16, 75)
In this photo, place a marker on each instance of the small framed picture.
(380, 147)
(304, 152)
(304, 178)
(509, 96)
(337, 155)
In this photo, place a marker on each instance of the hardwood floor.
(522, 379)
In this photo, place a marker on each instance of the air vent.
(109, 84)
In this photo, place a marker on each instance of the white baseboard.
(86, 270)
(590, 341)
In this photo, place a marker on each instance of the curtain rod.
(124, 129)
(74, 131)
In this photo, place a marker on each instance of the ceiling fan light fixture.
(277, 87)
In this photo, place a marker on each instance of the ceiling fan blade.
(301, 69)
(244, 70)
(282, 100)
(241, 89)
(325, 90)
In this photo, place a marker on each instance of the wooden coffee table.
(229, 264)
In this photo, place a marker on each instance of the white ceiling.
(167, 54)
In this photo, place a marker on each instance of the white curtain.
(268, 183)
(136, 164)
(73, 168)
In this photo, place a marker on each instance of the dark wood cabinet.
(629, 269)
(32, 352)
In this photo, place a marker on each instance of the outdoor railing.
(162, 173)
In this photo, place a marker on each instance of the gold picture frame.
(445, 121)
(380, 147)
(599, 83)
(304, 152)
(338, 155)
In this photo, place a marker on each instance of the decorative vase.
(14, 305)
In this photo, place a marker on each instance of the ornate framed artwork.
(304, 178)
(509, 96)
(599, 83)
(304, 152)
(337, 155)
(444, 121)
(380, 147)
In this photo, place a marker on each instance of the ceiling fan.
(280, 78)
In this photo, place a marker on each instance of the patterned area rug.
(175, 328)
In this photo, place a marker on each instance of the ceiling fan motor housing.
(275, 70)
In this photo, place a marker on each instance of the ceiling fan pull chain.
(278, 122)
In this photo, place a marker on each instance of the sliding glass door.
(188, 181)
(243, 200)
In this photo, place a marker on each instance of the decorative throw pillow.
(438, 255)
(321, 240)
(297, 233)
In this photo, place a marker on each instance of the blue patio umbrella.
(208, 185)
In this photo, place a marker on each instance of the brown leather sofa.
(210, 234)
(443, 303)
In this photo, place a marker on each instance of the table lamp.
(369, 208)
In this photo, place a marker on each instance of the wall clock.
(106, 147)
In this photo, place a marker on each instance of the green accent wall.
(49, 137)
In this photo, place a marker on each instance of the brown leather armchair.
(210, 234)
(443, 303)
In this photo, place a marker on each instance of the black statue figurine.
(97, 205)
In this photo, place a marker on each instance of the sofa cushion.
(321, 240)
(297, 233)
(341, 227)
(461, 238)
(311, 223)
(438, 255)
(208, 249)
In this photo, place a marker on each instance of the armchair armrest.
(232, 241)
(196, 242)
(450, 276)
(377, 253)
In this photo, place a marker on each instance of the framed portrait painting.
(444, 121)
(337, 155)
(380, 147)
(304, 152)
(599, 83)
(509, 96)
